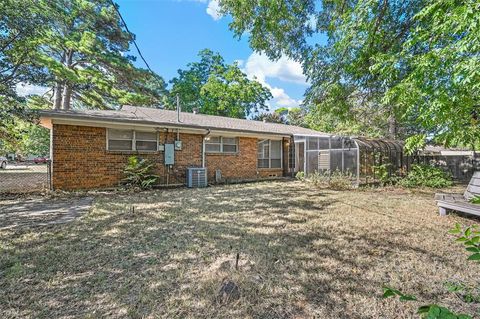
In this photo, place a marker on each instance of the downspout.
(203, 147)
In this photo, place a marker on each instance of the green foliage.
(381, 171)
(21, 23)
(300, 176)
(470, 237)
(475, 200)
(139, 173)
(216, 88)
(426, 176)
(291, 116)
(466, 293)
(27, 139)
(396, 68)
(78, 46)
(390, 292)
(438, 312)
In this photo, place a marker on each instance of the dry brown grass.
(304, 253)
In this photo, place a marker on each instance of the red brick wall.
(81, 161)
(242, 165)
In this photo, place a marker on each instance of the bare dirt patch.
(303, 253)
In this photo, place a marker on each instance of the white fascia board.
(312, 135)
(160, 127)
(456, 153)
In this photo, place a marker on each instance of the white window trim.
(134, 142)
(270, 154)
(221, 146)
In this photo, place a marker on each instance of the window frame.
(144, 140)
(133, 140)
(269, 157)
(221, 144)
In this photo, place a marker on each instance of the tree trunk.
(392, 126)
(57, 95)
(67, 97)
(67, 90)
(58, 89)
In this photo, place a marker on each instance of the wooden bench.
(459, 202)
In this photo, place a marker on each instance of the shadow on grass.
(302, 254)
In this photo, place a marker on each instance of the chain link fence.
(25, 177)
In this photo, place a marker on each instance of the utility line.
(133, 36)
(115, 6)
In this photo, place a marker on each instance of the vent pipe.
(178, 108)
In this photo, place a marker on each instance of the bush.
(382, 173)
(139, 173)
(426, 176)
(300, 176)
(340, 181)
(335, 180)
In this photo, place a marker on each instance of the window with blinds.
(220, 144)
(130, 140)
(269, 154)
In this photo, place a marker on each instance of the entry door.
(299, 156)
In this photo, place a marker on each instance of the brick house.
(89, 149)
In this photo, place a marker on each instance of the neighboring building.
(461, 163)
(89, 149)
(439, 150)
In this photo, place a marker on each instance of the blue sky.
(170, 33)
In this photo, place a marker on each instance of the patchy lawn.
(303, 252)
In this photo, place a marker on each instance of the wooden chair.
(460, 202)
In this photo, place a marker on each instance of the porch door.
(299, 156)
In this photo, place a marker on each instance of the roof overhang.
(47, 119)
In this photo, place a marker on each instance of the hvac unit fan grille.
(196, 177)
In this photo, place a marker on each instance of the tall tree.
(21, 24)
(215, 88)
(84, 49)
(411, 63)
(75, 47)
(291, 116)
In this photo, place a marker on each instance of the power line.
(115, 6)
(133, 36)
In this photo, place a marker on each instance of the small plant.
(426, 176)
(335, 180)
(466, 293)
(319, 179)
(470, 237)
(300, 176)
(381, 171)
(475, 200)
(340, 180)
(139, 173)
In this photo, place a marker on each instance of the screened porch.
(361, 159)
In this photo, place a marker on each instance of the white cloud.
(24, 89)
(282, 99)
(284, 69)
(213, 10)
(239, 62)
(261, 68)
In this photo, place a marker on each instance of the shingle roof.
(143, 115)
